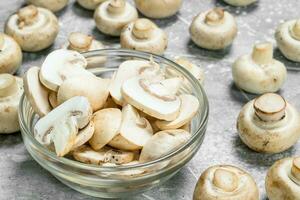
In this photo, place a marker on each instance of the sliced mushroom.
(269, 124)
(260, 72)
(188, 109)
(112, 15)
(90, 4)
(196, 71)
(36, 93)
(95, 89)
(240, 2)
(126, 70)
(225, 182)
(10, 54)
(11, 90)
(110, 103)
(283, 179)
(144, 35)
(104, 155)
(107, 125)
(157, 8)
(61, 65)
(288, 39)
(61, 125)
(162, 143)
(53, 99)
(214, 29)
(53, 5)
(135, 130)
(84, 135)
(152, 98)
(33, 28)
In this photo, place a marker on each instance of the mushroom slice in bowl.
(84, 135)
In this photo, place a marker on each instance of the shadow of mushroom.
(290, 65)
(81, 12)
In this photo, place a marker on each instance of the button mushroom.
(162, 143)
(288, 39)
(260, 72)
(10, 54)
(224, 182)
(144, 35)
(61, 125)
(90, 4)
(269, 124)
(214, 29)
(240, 2)
(36, 93)
(53, 5)
(283, 180)
(196, 71)
(33, 28)
(11, 89)
(112, 15)
(158, 8)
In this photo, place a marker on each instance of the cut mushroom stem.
(215, 16)
(8, 85)
(225, 180)
(116, 7)
(270, 107)
(296, 30)
(263, 53)
(296, 169)
(79, 41)
(27, 15)
(142, 28)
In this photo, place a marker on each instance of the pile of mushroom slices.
(137, 116)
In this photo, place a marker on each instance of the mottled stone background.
(22, 178)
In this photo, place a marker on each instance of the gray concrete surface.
(22, 178)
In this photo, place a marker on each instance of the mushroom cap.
(91, 87)
(11, 90)
(280, 182)
(36, 93)
(214, 29)
(53, 5)
(90, 4)
(240, 2)
(288, 44)
(39, 34)
(259, 73)
(225, 182)
(157, 8)
(270, 136)
(112, 15)
(10, 54)
(144, 35)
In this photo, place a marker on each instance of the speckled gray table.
(22, 178)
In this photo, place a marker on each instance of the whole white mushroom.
(269, 124)
(240, 2)
(287, 36)
(53, 5)
(33, 28)
(90, 4)
(10, 54)
(214, 29)
(11, 90)
(112, 15)
(259, 72)
(283, 180)
(144, 35)
(158, 8)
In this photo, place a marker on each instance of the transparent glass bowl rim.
(137, 54)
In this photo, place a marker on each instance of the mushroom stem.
(215, 16)
(142, 28)
(1, 41)
(8, 85)
(225, 180)
(116, 7)
(296, 169)
(263, 53)
(79, 41)
(296, 30)
(27, 15)
(270, 107)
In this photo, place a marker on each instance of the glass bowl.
(119, 181)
